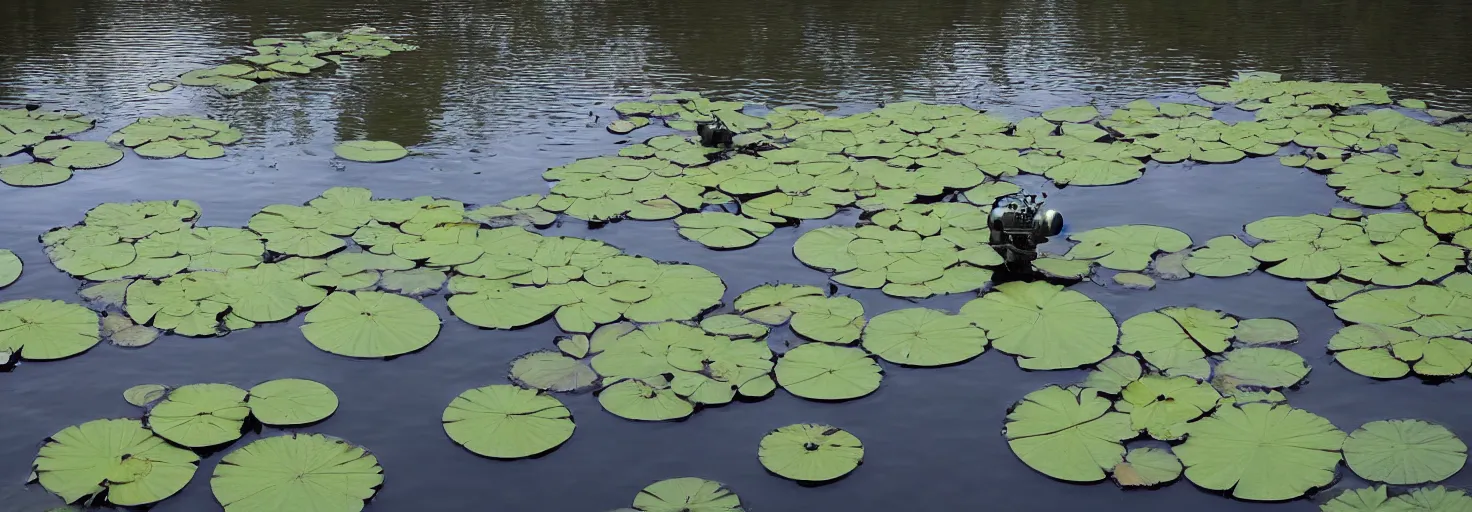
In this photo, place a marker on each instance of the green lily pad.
(1145, 467)
(326, 472)
(1162, 406)
(1263, 367)
(1265, 331)
(1261, 452)
(371, 151)
(552, 371)
(285, 402)
(43, 330)
(200, 415)
(77, 155)
(144, 394)
(35, 174)
(1071, 114)
(923, 337)
(370, 324)
(1223, 256)
(121, 331)
(644, 400)
(416, 282)
(1064, 268)
(687, 494)
(1113, 374)
(1044, 325)
(1127, 248)
(721, 230)
(507, 422)
(1134, 281)
(10, 268)
(809, 452)
(819, 371)
(1068, 434)
(1177, 340)
(119, 457)
(1404, 452)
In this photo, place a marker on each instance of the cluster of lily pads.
(174, 136)
(285, 57)
(155, 264)
(131, 462)
(42, 133)
(1253, 447)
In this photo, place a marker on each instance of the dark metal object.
(714, 134)
(1019, 224)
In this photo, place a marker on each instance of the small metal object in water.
(1019, 224)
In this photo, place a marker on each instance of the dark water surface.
(500, 91)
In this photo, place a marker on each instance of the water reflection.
(489, 69)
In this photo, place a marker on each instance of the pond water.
(501, 91)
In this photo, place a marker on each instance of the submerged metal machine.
(1019, 224)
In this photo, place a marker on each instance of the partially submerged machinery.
(1019, 224)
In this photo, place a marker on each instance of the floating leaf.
(1263, 367)
(35, 174)
(809, 452)
(1071, 114)
(819, 371)
(721, 230)
(370, 324)
(923, 337)
(44, 330)
(1265, 331)
(326, 472)
(1223, 256)
(552, 371)
(1067, 434)
(687, 494)
(119, 457)
(644, 401)
(414, 282)
(1176, 340)
(285, 402)
(200, 415)
(1127, 248)
(1144, 467)
(1113, 374)
(77, 154)
(10, 267)
(1064, 268)
(1134, 281)
(1045, 326)
(1261, 452)
(1162, 406)
(144, 394)
(507, 422)
(372, 151)
(1404, 452)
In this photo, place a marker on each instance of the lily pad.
(687, 494)
(819, 371)
(327, 472)
(144, 394)
(1404, 452)
(1223, 256)
(35, 174)
(286, 402)
(200, 415)
(809, 452)
(1044, 325)
(1263, 367)
(1162, 406)
(1261, 452)
(1126, 248)
(119, 457)
(1134, 281)
(1177, 340)
(552, 371)
(1113, 374)
(77, 154)
(644, 400)
(10, 268)
(923, 337)
(1265, 331)
(371, 151)
(370, 324)
(722, 230)
(1068, 434)
(507, 422)
(44, 330)
(1064, 268)
(1145, 467)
